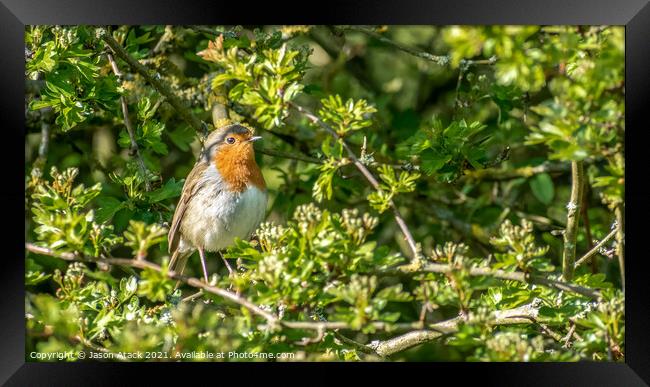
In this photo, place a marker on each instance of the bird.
(224, 197)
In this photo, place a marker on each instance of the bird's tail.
(177, 263)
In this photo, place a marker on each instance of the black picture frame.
(633, 14)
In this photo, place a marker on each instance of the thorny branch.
(596, 248)
(441, 60)
(415, 260)
(154, 79)
(418, 333)
(135, 150)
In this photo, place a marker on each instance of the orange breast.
(238, 168)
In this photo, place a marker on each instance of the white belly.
(219, 219)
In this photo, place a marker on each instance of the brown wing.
(189, 189)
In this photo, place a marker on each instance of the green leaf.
(543, 188)
(182, 137)
(35, 277)
(171, 189)
(432, 161)
(107, 206)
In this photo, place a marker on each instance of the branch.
(135, 150)
(153, 78)
(464, 65)
(519, 315)
(620, 241)
(541, 220)
(573, 219)
(503, 275)
(142, 264)
(196, 283)
(211, 32)
(276, 153)
(544, 328)
(441, 60)
(493, 174)
(418, 332)
(596, 248)
(369, 176)
(355, 344)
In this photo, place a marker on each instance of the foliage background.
(478, 138)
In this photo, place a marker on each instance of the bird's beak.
(254, 138)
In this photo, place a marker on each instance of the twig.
(194, 296)
(415, 260)
(135, 150)
(464, 65)
(210, 31)
(461, 73)
(500, 274)
(620, 241)
(567, 338)
(355, 344)
(541, 220)
(320, 333)
(493, 174)
(441, 60)
(596, 248)
(544, 328)
(573, 220)
(167, 34)
(153, 78)
(275, 153)
(378, 325)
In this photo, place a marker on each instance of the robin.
(223, 198)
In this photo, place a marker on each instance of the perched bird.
(223, 198)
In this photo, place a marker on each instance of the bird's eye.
(230, 140)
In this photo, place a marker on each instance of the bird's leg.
(203, 264)
(227, 265)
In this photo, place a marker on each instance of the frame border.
(634, 14)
